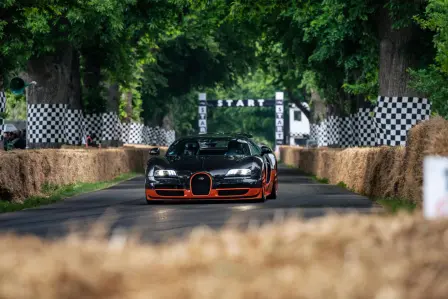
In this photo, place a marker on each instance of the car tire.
(273, 194)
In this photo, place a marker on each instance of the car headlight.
(165, 173)
(239, 172)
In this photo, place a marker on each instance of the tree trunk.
(128, 106)
(318, 109)
(168, 121)
(396, 56)
(52, 74)
(1, 82)
(112, 106)
(92, 78)
(298, 103)
(75, 99)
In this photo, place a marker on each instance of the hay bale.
(22, 173)
(339, 257)
(427, 138)
(380, 171)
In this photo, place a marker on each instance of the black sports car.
(219, 166)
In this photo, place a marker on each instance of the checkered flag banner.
(395, 116)
(46, 123)
(388, 123)
(136, 133)
(56, 123)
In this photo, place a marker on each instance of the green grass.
(395, 205)
(343, 185)
(392, 205)
(320, 180)
(52, 193)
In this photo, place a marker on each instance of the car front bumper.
(221, 189)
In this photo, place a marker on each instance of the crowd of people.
(13, 140)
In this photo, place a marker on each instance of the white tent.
(9, 128)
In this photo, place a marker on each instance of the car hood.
(206, 163)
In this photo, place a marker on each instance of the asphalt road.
(124, 207)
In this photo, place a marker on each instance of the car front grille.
(200, 184)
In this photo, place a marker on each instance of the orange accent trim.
(211, 183)
(270, 187)
(151, 194)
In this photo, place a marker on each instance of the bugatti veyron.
(212, 167)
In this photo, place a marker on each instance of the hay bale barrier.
(376, 172)
(23, 173)
(338, 257)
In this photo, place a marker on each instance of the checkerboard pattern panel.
(125, 128)
(313, 131)
(57, 124)
(46, 123)
(110, 126)
(395, 116)
(333, 129)
(2, 101)
(93, 126)
(346, 136)
(365, 134)
(322, 134)
(171, 137)
(135, 133)
(74, 126)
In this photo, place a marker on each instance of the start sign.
(435, 187)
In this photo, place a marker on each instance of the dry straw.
(22, 173)
(334, 257)
(382, 171)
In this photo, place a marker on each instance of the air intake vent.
(201, 184)
(170, 193)
(232, 192)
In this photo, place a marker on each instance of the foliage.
(254, 120)
(206, 50)
(15, 46)
(15, 107)
(165, 52)
(432, 80)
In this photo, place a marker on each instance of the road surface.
(125, 208)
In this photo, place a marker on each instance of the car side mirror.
(266, 150)
(154, 151)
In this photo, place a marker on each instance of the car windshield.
(209, 147)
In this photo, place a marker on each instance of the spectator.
(7, 139)
(20, 141)
(91, 141)
(15, 140)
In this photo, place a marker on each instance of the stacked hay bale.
(344, 257)
(377, 172)
(22, 173)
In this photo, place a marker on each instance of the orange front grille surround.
(211, 183)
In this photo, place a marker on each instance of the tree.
(15, 46)
(260, 122)
(432, 80)
(351, 48)
(207, 49)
